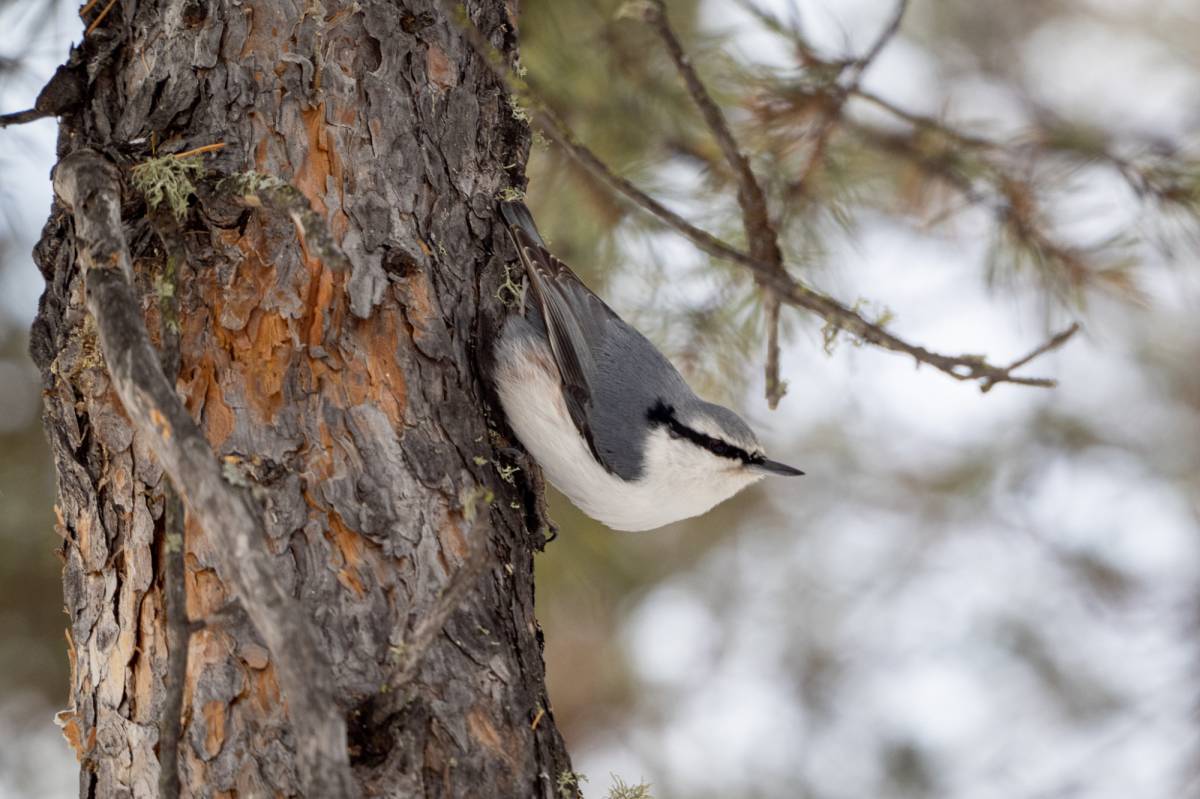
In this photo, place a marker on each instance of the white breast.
(687, 481)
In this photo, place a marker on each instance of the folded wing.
(576, 319)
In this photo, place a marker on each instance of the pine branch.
(761, 236)
(832, 111)
(965, 367)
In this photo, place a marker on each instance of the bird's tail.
(517, 215)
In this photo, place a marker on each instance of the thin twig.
(881, 41)
(89, 184)
(1053, 343)
(964, 367)
(99, 18)
(65, 89)
(775, 387)
(924, 121)
(1140, 178)
(835, 95)
(23, 117)
(207, 148)
(761, 236)
(832, 112)
(1009, 199)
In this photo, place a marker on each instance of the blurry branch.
(89, 185)
(834, 90)
(832, 109)
(761, 236)
(1171, 183)
(886, 35)
(985, 172)
(1011, 198)
(22, 117)
(966, 367)
(925, 122)
(1165, 182)
(63, 91)
(1056, 341)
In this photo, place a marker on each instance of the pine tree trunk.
(346, 400)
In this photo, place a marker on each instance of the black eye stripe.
(663, 414)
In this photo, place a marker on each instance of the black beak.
(774, 467)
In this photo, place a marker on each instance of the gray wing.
(576, 320)
(611, 374)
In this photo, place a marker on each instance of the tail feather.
(517, 215)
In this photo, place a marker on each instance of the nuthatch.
(611, 422)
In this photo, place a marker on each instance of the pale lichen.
(168, 179)
(621, 790)
(250, 182)
(507, 472)
(510, 293)
(567, 784)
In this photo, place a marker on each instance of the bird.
(611, 422)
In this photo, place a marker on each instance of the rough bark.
(344, 398)
(227, 515)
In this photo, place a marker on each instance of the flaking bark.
(89, 185)
(345, 401)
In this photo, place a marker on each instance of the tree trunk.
(346, 399)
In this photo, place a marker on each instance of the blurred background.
(969, 595)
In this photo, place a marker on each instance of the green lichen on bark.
(168, 179)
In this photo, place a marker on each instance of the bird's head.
(702, 440)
